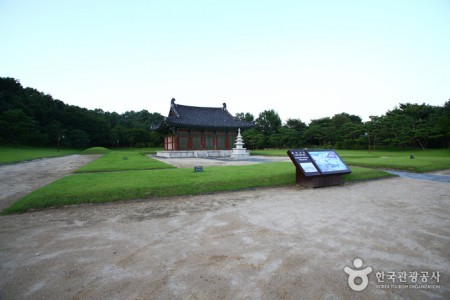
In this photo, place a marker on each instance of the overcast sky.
(304, 59)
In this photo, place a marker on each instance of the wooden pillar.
(216, 142)
(190, 140)
(203, 140)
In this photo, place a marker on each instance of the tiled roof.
(203, 117)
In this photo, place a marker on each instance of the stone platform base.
(194, 153)
(239, 153)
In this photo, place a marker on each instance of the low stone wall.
(194, 153)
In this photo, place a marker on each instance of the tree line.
(30, 117)
(406, 126)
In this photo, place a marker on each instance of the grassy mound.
(123, 161)
(96, 150)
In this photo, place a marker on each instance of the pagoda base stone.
(239, 153)
(194, 153)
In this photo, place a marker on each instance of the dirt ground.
(18, 180)
(277, 243)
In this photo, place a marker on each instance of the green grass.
(418, 164)
(360, 173)
(96, 150)
(424, 160)
(123, 161)
(271, 152)
(148, 150)
(9, 155)
(117, 186)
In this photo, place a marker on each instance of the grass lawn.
(138, 184)
(424, 160)
(123, 160)
(127, 174)
(271, 152)
(10, 155)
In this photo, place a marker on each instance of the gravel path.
(18, 180)
(423, 176)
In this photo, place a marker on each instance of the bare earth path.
(286, 243)
(17, 180)
(279, 243)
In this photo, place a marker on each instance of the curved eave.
(212, 127)
(159, 127)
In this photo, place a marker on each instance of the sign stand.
(317, 181)
(318, 168)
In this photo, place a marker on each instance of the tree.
(54, 132)
(319, 132)
(253, 138)
(268, 123)
(78, 138)
(351, 136)
(245, 117)
(18, 127)
(11, 94)
(119, 135)
(347, 131)
(286, 138)
(442, 126)
(296, 124)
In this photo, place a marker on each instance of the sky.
(304, 59)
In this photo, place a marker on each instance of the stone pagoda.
(239, 151)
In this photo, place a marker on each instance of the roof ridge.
(199, 106)
(204, 117)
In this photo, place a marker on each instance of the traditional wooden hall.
(191, 131)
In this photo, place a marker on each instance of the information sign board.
(328, 162)
(318, 168)
(302, 160)
(318, 162)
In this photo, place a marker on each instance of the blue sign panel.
(328, 162)
(198, 169)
